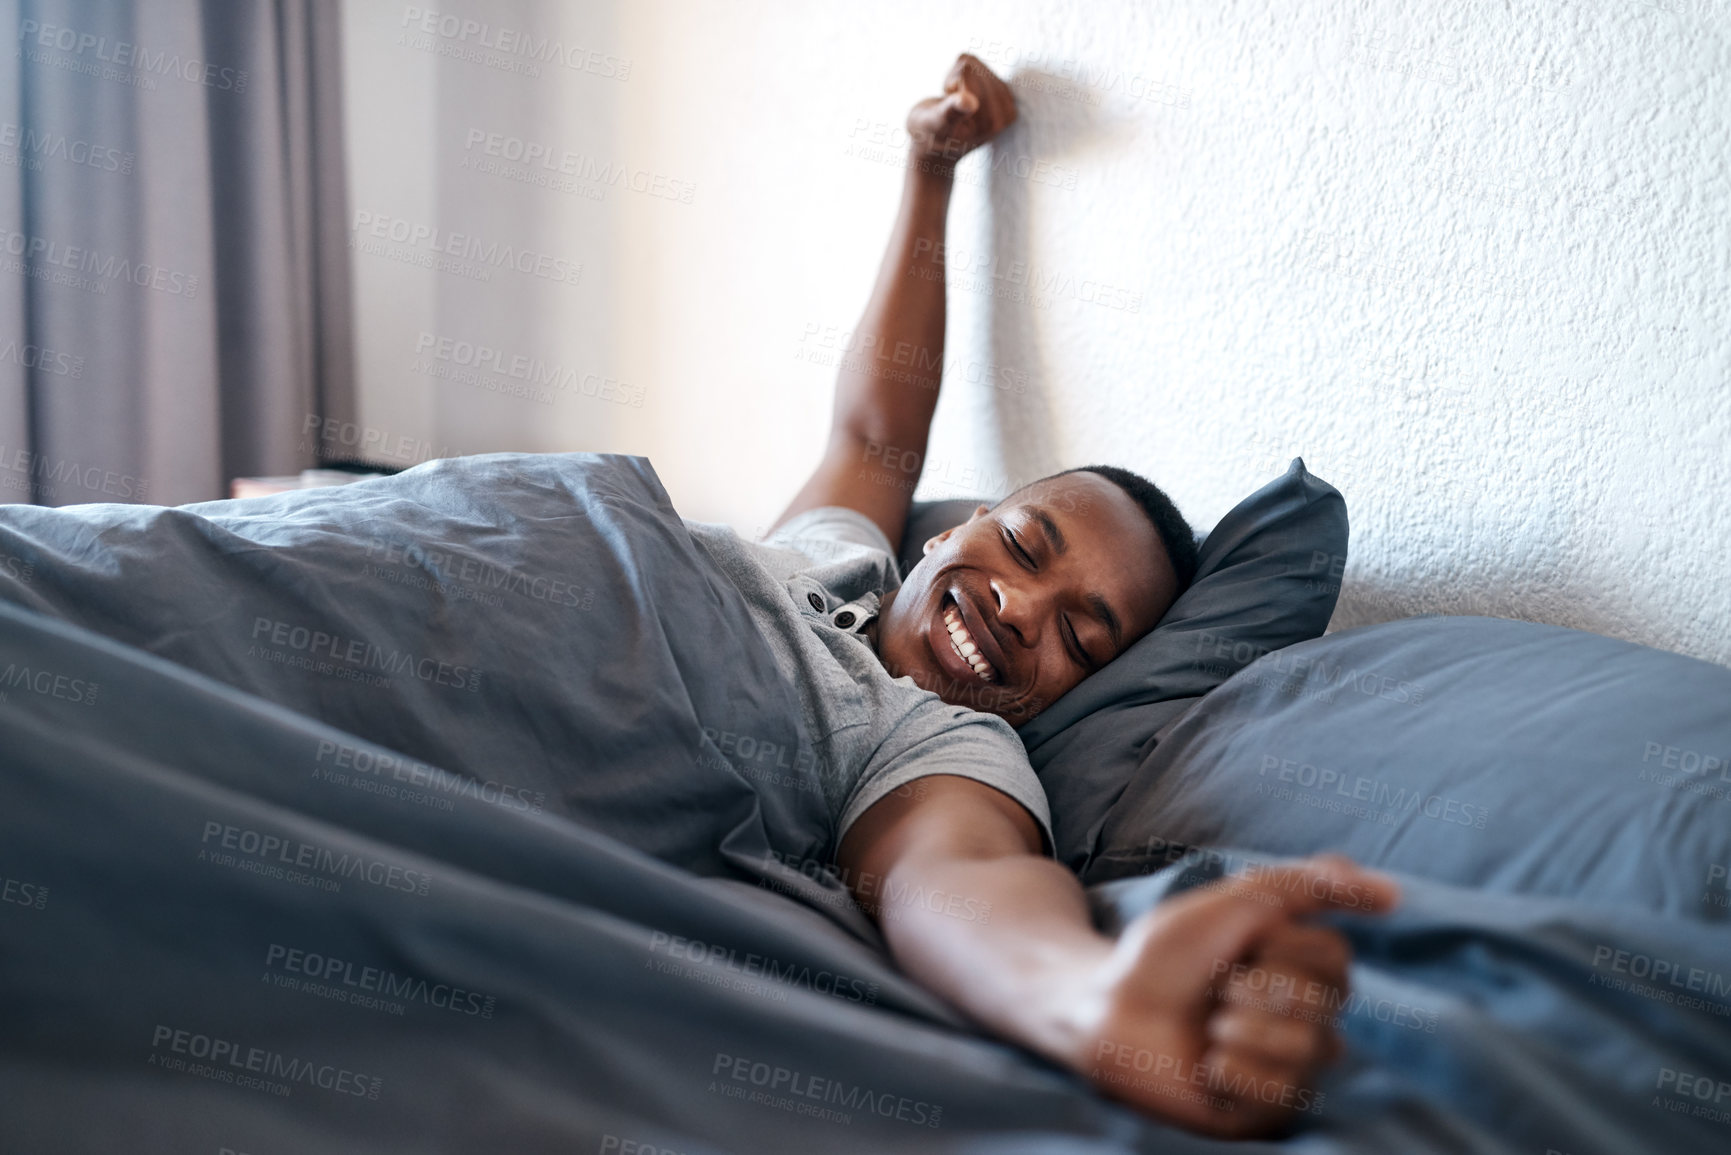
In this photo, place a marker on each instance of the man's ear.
(938, 539)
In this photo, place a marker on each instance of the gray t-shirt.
(812, 586)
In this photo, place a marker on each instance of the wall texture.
(1471, 261)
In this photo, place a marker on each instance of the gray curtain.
(174, 286)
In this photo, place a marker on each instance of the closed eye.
(1086, 661)
(1073, 643)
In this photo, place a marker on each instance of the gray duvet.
(392, 818)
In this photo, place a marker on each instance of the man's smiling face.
(1011, 609)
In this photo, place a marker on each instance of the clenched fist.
(975, 107)
(1216, 1009)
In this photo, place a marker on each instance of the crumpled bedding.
(259, 907)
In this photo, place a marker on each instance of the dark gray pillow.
(1268, 575)
(1479, 752)
(927, 519)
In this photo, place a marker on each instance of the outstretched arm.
(887, 386)
(1210, 1012)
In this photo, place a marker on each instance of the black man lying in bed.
(1002, 616)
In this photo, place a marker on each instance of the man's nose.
(1019, 609)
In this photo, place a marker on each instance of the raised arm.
(1213, 1011)
(887, 386)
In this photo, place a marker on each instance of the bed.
(400, 817)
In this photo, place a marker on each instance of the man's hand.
(1212, 1012)
(975, 107)
(1216, 1009)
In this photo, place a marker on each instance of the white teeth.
(964, 645)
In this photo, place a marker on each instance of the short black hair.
(1175, 533)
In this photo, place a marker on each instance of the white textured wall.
(1471, 261)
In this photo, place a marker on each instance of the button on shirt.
(853, 617)
(813, 586)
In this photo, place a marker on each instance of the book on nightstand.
(306, 479)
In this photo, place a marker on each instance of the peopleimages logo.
(433, 241)
(509, 42)
(1698, 772)
(49, 684)
(541, 376)
(579, 166)
(890, 898)
(757, 966)
(1227, 1089)
(44, 255)
(160, 62)
(1687, 761)
(42, 358)
(806, 1094)
(48, 472)
(329, 970)
(1302, 676)
(361, 656)
(1373, 792)
(57, 146)
(1718, 892)
(21, 893)
(1317, 1002)
(221, 842)
(1043, 282)
(226, 1061)
(1702, 1096)
(379, 765)
(1648, 968)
